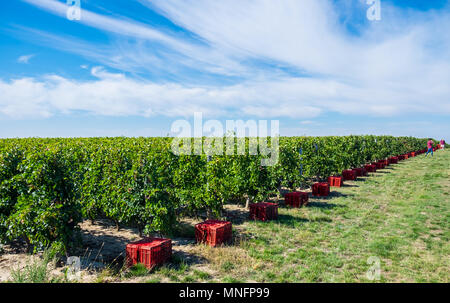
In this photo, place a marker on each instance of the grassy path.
(398, 216)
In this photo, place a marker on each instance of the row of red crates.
(155, 251)
(298, 199)
(353, 174)
(152, 252)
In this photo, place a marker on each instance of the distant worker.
(442, 144)
(430, 147)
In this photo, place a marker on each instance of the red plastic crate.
(336, 181)
(404, 157)
(364, 171)
(264, 211)
(384, 162)
(359, 171)
(296, 199)
(321, 189)
(155, 253)
(349, 175)
(132, 252)
(393, 160)
(378, 165)
(370, 168)
(150, 252)
(213, 232)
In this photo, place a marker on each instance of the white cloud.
(400, 65)
(193, 52)
(25, 59)
(118, 95)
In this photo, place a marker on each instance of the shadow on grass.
(293, 221)
(241, 235)
(350, 185)
(362, 179)
(290, 220)
(237, 216)
(336, 194)
(332, 195)
(179, 258)
(324, 205)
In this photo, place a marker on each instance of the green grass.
(399, 215)
(137, 270)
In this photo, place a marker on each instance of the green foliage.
(45, 212)
(47, 186)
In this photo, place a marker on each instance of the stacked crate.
(213, 232)
(364, 171)
(321, 189)
(150, 252)
(370, 168)
(379, 165)
(393, 160)
(336, 181)
(359, 171)
(382, 164)
(296, 199)
(264, 211)
(349, 175)
(385, 162)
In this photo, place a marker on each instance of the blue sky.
(132, 68)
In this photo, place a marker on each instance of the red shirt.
(430, 144)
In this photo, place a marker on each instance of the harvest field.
(90, 197)
(191, 145)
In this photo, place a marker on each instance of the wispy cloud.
(191, 52)
(397, 66)
(115, 94)
(24, 59)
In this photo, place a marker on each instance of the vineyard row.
(48, 186)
